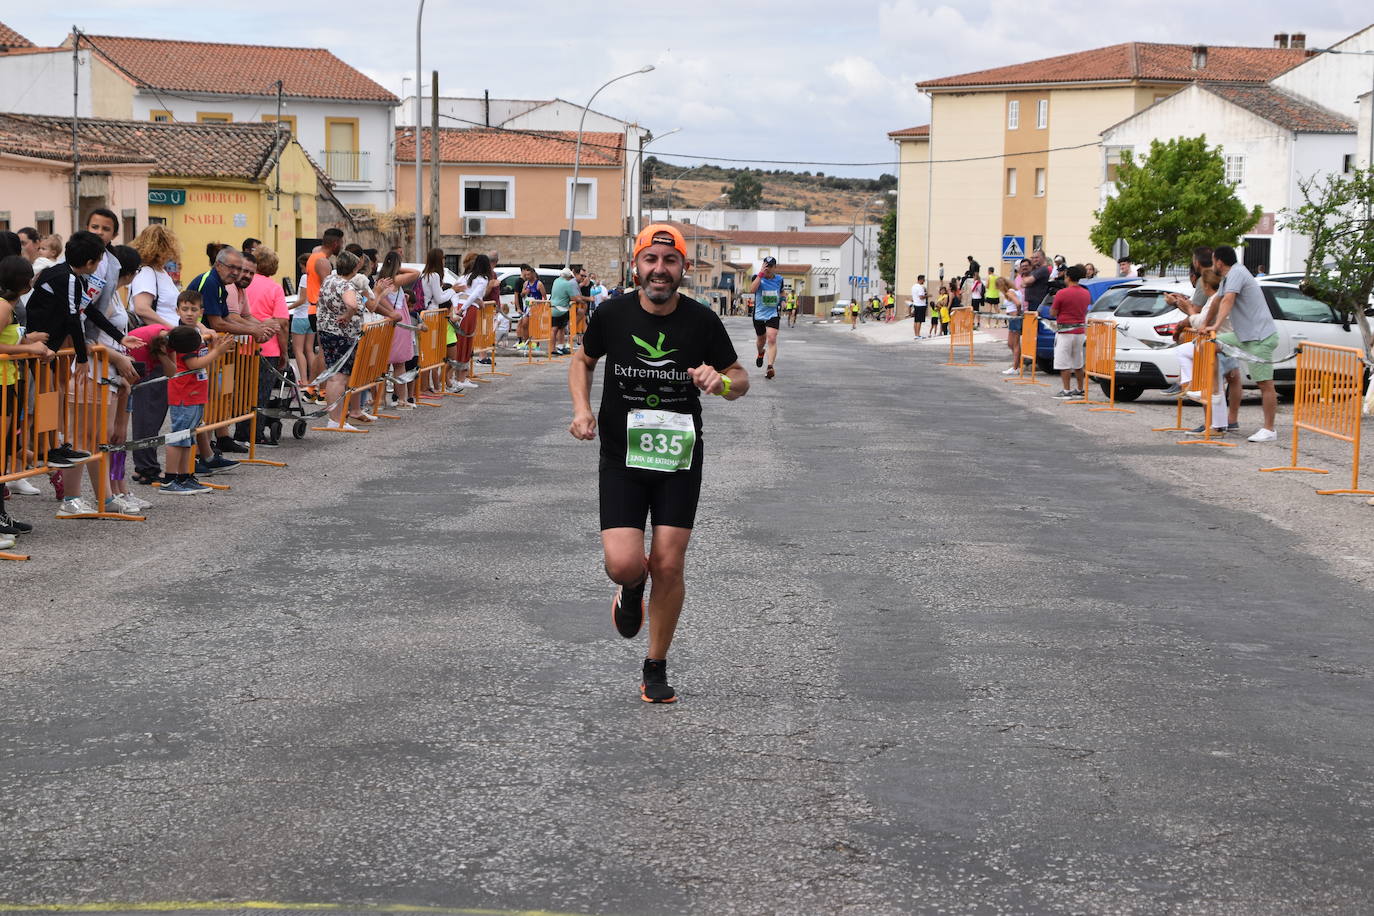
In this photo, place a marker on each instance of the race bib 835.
(659, 440)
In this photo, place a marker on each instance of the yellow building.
(224, 183)
(1016, 150)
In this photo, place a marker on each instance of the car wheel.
(1286, 393)
(1045, 364)
(1123, 392)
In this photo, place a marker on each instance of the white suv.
(1145, 322)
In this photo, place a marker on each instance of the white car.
(1146, 355)
(509, 278)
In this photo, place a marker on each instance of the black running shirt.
(647, 358)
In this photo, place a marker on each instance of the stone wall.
(603, 255)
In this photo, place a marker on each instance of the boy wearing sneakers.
(185, 357)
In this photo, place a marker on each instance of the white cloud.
(805, 80)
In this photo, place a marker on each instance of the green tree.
(1172, 202)
(1336, 218)
(746, 193)
(649, 172)
(887, 248)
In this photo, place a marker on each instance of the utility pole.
(419, 251)
(276, 220)
(76, 151)
(434, 159)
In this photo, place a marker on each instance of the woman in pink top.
(391, 283)
(266, 303)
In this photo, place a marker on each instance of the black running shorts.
(631, 496)
(759, 326)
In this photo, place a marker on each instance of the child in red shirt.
(185, 357)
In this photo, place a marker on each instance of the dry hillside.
(824, 206)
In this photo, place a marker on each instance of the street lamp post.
(696, 231)
(673, 186)
(577, 157)
(419, 201)
(638, 168)
(853, 230)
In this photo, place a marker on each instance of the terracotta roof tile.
(1135, 61)
(236, 69)
(242, 151)
(502, 147)
(795, 239)
(40, 138)
(9, 38)
(921, 130)
(794, 268)
(1283, 108)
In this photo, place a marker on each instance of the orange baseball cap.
(660, 234)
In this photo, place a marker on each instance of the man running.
(661, 348)
(767, 290)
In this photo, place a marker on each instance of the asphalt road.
(937, 656)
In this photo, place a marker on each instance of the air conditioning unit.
(474, 225)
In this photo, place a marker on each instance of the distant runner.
(767, 290)
(661, 349)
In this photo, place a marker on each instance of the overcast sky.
(801, 80)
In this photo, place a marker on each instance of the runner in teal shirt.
(767, 291)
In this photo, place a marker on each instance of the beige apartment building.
(1016, 150)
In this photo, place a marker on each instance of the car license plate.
(1127, 367)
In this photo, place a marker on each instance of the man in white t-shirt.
(920, 298)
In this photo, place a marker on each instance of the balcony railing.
(345, 164)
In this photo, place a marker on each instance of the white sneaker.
(468, 383)
(137, 504)
(1009, 371)
(453, 388)
(22, 487)
(347, 427)
(6, 541)
(76, 507)
(1193, 396)
(1264, 435)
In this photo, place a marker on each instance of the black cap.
(770, 262)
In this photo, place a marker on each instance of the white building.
(540, 115)
(342, 118)
(815, 263)
(1271, 140)
(733, 220)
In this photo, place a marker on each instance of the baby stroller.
(284, 403)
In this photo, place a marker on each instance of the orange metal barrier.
(1330, 387)
(1205, 382)
(1100, 364)
(432, 349)
(577, 325)
(233, 398)
(371, 360)
(541, 328)
(484, 341)
(1186, 335)
(66, 396)
(1030, 335)
(961, 334)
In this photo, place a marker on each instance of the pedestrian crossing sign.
(1013, 247)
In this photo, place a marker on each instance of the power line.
(546, 135)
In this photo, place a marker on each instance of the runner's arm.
(708, 379)
(580, 369)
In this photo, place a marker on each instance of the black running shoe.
(758, 361)
(232, 447)
(627, 609)
(64, 456)
(10, 525)
(654, 688)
